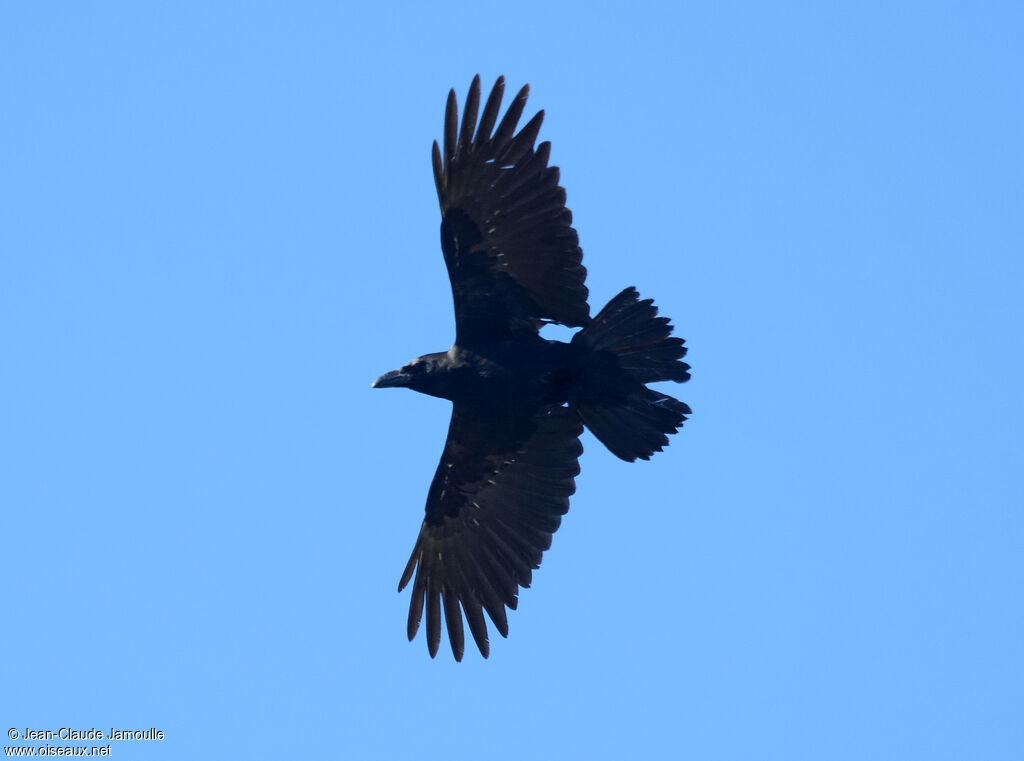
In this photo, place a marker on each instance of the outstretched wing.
(499, 494)
(513, 256)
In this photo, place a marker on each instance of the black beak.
(394, 379)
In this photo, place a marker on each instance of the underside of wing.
(512, 254)
(499, 494)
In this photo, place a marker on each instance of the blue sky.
(218, 226)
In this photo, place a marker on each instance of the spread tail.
(631, 346)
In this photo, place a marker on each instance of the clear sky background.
(218, 226)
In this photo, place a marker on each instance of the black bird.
(519, 401)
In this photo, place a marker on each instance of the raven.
(519, 401)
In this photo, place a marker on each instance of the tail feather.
(630, 419)
(631, 329)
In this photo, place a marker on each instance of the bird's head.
(425, 374)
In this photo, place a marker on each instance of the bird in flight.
(519, 401)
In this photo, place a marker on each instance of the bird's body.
(520, 402)
(491, 371)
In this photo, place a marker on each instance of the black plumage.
(519, 401)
